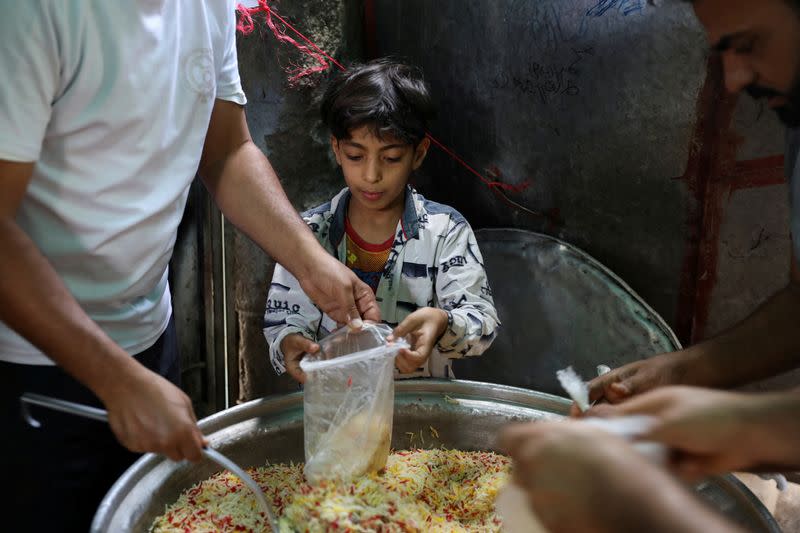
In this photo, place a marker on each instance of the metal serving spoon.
(101, 415)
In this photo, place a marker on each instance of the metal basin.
(466, 415)
(559, 306)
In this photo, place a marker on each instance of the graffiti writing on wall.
(545, 81)
(625, 7)
(561, 38)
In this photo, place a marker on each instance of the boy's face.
(759, 41)
(377, 170)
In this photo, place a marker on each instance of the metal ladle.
(101, 415)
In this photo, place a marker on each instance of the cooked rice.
(420, 490)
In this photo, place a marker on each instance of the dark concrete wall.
(185, 279)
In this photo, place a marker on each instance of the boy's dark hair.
(389, 97)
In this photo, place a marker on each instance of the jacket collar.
(409, 221)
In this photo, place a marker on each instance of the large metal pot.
(466, 415)
(559, 306)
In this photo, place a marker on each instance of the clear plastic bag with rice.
(348, 403)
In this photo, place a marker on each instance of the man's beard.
(788, 113)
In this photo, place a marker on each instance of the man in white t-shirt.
(107, 111)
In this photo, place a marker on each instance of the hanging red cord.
(246, 26)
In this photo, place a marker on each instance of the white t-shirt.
(112, 100)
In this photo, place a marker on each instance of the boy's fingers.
(407, 326)
(309, 346)
(403, 367)
(300, 344)
(408, 361)
(313, 348)
(401, 330)
(293, 368)
(422, 348)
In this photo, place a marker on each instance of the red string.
(306, 39)
(490, 183)
(244, 22)
(246, 25)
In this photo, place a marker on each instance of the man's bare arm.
(247, 190)
(763, 345)
(146, 412)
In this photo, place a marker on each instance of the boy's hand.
(422, 328)
(294, 346)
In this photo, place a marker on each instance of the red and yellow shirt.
(365, 259)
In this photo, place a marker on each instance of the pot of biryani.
(441, 473)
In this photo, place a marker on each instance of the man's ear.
(420, 152)
(335, 148)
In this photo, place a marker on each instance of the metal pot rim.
(457, 389)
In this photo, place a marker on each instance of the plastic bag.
(630, 428)
(627, 427)
(348, 403)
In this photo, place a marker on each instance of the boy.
(420, 257)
